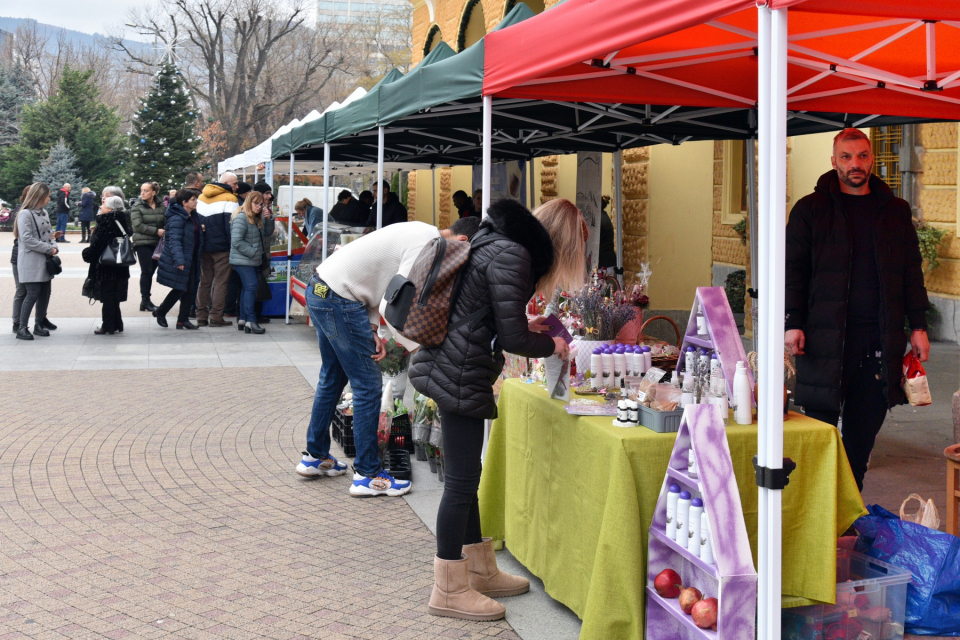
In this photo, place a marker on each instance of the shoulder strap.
(123, 231)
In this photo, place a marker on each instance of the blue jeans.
(248, 294)
(62, 221)
(347, 342)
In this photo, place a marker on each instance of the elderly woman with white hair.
(109, 281)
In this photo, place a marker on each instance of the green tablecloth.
(573, 498)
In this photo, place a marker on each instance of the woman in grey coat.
(246, 256)
(36, 241)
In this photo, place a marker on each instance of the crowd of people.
(194, 240)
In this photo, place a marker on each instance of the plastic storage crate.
(401, 434)
(871, 603)
(660, 421)
(342, 431)
(398, 464)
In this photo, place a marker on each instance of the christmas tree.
(58, 169)
(163, 146)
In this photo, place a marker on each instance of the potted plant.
(393, 367)
(736, 290)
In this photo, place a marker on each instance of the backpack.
(419, 306)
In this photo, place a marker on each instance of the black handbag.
(119, 251)
(54, 266)
(91, 290)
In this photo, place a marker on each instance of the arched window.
(472, 25)
(535, 5)
(434, 37)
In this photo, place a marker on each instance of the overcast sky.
(92, 16)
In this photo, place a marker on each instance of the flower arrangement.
(602, 317)
(396, 359)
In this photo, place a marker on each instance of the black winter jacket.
(63, 201)
(105, 231)
(818, 281)
(88, 207)
(179, 249)
(509, 254)
(393, 212)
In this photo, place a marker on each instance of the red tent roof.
(878, 56)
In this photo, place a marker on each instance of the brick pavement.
(163, 503)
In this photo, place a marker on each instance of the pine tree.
(164, 145)
(58, 169)
(16, 90)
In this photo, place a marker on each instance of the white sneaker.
(311, 467)
(382, 484)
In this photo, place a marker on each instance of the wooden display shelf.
(732, 578)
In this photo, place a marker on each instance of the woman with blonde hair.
(513, 255)
(246, 256)
(36, 241)
(311, 215)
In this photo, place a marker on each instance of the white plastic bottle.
(683, 509)
(673, 494)
(714, 362)
(688, 360)
(596, 368)
(741, 395)
(718, 395)
(701, 322)
(693, 529)
(691, 463)
(706, 545)
(619, 362)
(634, 409)
(647, 358)
(640, 358)
(607, 358)
(686, 391)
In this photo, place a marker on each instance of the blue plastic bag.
(933, 557)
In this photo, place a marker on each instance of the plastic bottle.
(673, 494)
(693, 529)
(741, 395)
(607, 358)
(704, 361)
(596, 368)
(640, 359)
(701, 322)
(718, 394)
(706, 544)
(619, 363)
(683, 509)
(647, 358)
(686, 391)
(691, 463)
(688, 361)
(714, 362)
(634, 409)
(623, 413)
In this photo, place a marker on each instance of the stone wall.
(412, 196)
(636, 201)
(938, 205)
(446, 204)
(729, 251)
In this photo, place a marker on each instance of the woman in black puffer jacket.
(179, 266)
(514, 254)
(109, 281)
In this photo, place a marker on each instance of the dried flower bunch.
(602, 318)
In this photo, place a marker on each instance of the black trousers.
(38, 294)
(85, 229)
(185, 298)
(148, 266)
(458, 520)
(111, 294)
(864, 399)
(232, 306)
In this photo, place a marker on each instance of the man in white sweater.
(343, 299)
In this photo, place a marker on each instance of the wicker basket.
(667, 363)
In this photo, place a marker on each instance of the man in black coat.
(464, 204)
(63, 210)
(393, 209)
(853, 278)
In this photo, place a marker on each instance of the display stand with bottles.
(731, 577)
(713, 327)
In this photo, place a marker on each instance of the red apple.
(704, 613)
(668, 584)
(688, 598)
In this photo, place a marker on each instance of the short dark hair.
(192, 177)
(466, 226)
(344, 194)
(384, 187)
(183, 195)
(366, 196)
(461, 194)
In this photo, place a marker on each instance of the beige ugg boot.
(486, 578)
(452, 596)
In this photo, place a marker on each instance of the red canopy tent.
(785, 57)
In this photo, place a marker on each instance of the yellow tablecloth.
(573, 498)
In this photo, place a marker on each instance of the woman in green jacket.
(147, 216)
(246, 256)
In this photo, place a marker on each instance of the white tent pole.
(256, 173)
(380, 193)
(326, 197)
(289, 242)
(618, 203)
(773, 43)
(487, 139)
(433, 192)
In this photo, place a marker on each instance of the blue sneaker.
(382, 484)
(311, 467)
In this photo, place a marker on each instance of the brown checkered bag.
(419, 306)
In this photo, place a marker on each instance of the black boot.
(16, 327)
(146, 305)
(253, 327)
(24, 334)
(161, 320)
(38, 330)
(186, 325)
(46, 324)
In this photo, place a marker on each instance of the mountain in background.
(77, 38)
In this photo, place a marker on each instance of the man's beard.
(856, 180)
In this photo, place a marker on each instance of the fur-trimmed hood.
(513, 220)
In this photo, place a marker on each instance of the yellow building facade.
(681, 204)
